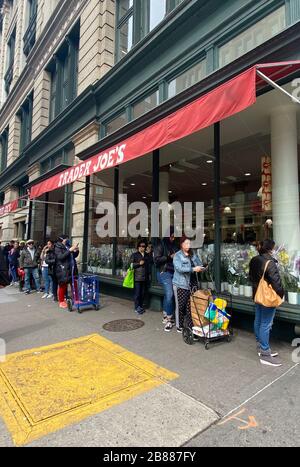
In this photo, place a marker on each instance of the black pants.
(184, 307)
(139, 294)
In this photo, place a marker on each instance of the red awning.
(226, 100)
(9, 207)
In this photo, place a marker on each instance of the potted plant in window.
(291, 286)
(236, 285)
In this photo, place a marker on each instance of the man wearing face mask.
(29, 262)
(65, 263)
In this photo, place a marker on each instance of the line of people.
(176, 271)
(28, 266)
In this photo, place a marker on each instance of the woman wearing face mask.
(264, 316)
(65, 255)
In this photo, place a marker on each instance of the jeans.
(139, 294)
(13, 273)
(165, 279)
(264, 318)
(47, 281)
(35, 274)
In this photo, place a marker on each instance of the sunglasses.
(142, 246)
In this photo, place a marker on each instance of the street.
(193, 397)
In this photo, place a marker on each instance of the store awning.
(222, 102)
(9, 207)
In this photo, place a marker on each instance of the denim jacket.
(183, 266)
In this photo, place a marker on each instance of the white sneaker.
(50, 295)
(45, 295)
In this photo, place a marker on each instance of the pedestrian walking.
(29, 262)
(47, 278)
(185, 262)
(264, 267)
(164, 253)
(141, 263)
(65, 266)
(13, 261)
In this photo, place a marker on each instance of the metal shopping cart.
(209, 323)
(85, 292)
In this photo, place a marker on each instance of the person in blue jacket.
(185, 263)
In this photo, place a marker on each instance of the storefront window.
(257, 34)
(146, 104)
(100, 251)
(187, 79)
(115, 124)
(135, 182)
(260, 192)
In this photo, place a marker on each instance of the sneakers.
(273, 354)
(63, 305)
(27, 292)
(169, 326)
(179, 330)
(45, 296)
(166, 319)
(50, 295)
(139, 311)
(267, 359)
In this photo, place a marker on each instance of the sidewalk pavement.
(223, 396)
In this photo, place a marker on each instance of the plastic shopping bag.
(128, 282)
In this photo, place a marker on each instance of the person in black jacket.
(13, 260)
(164, 253)
(50, 259)
(4, 280)
(264, 316)
(65, 265)
(141, 263)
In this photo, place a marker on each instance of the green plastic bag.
(129, 279)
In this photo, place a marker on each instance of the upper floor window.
(136, 18)
(145, 105)
(116, 123)
(30, 34)
(25, 115)
(252, 37)
(187, 79)
(10, 61)
(3, 150)
(64, 74)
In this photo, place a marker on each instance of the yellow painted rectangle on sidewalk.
(43, 390)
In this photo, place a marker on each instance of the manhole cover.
(121, 325)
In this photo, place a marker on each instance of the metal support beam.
(86, 225)
(217, 204)
(116, 204)
(276, 86)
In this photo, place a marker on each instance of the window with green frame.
(3, 149)
(63, 71)
(188, 78)
(64, 156)
(136, 18)
(145, 104)
(263, 30)
(30, 34)
(117, 122)
(25, 116)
